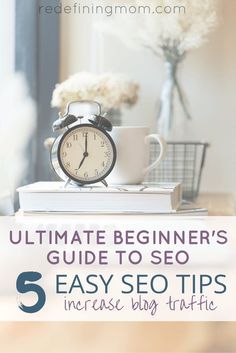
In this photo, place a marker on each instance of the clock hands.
(86, 143)
(81, 163)
(85, 154)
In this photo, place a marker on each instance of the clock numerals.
(86, 154)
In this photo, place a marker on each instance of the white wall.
(208, 77)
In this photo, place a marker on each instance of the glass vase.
(170, 89)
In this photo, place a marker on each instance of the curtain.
(37, 56)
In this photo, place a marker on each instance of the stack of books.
(55, 198)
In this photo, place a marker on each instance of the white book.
(55, 197)
(192, 212)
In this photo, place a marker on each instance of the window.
(7, 39)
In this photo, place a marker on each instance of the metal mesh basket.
(183, 163)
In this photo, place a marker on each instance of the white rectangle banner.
(117, 268)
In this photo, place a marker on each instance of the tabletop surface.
(218, 204)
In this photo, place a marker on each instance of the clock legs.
(67, 182)
(105, 183)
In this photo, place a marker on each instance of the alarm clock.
(83, 153)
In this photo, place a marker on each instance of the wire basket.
(183, 163)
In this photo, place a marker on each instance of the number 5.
(23, 287)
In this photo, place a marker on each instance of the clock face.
(86, 154)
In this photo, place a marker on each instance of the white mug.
(132, 144)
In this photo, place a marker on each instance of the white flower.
(112, 91)
(179, 32)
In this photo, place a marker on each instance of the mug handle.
(163, 150)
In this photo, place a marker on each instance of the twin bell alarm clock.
(84, 152)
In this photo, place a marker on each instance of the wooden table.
(218, 204)
(126, 337)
